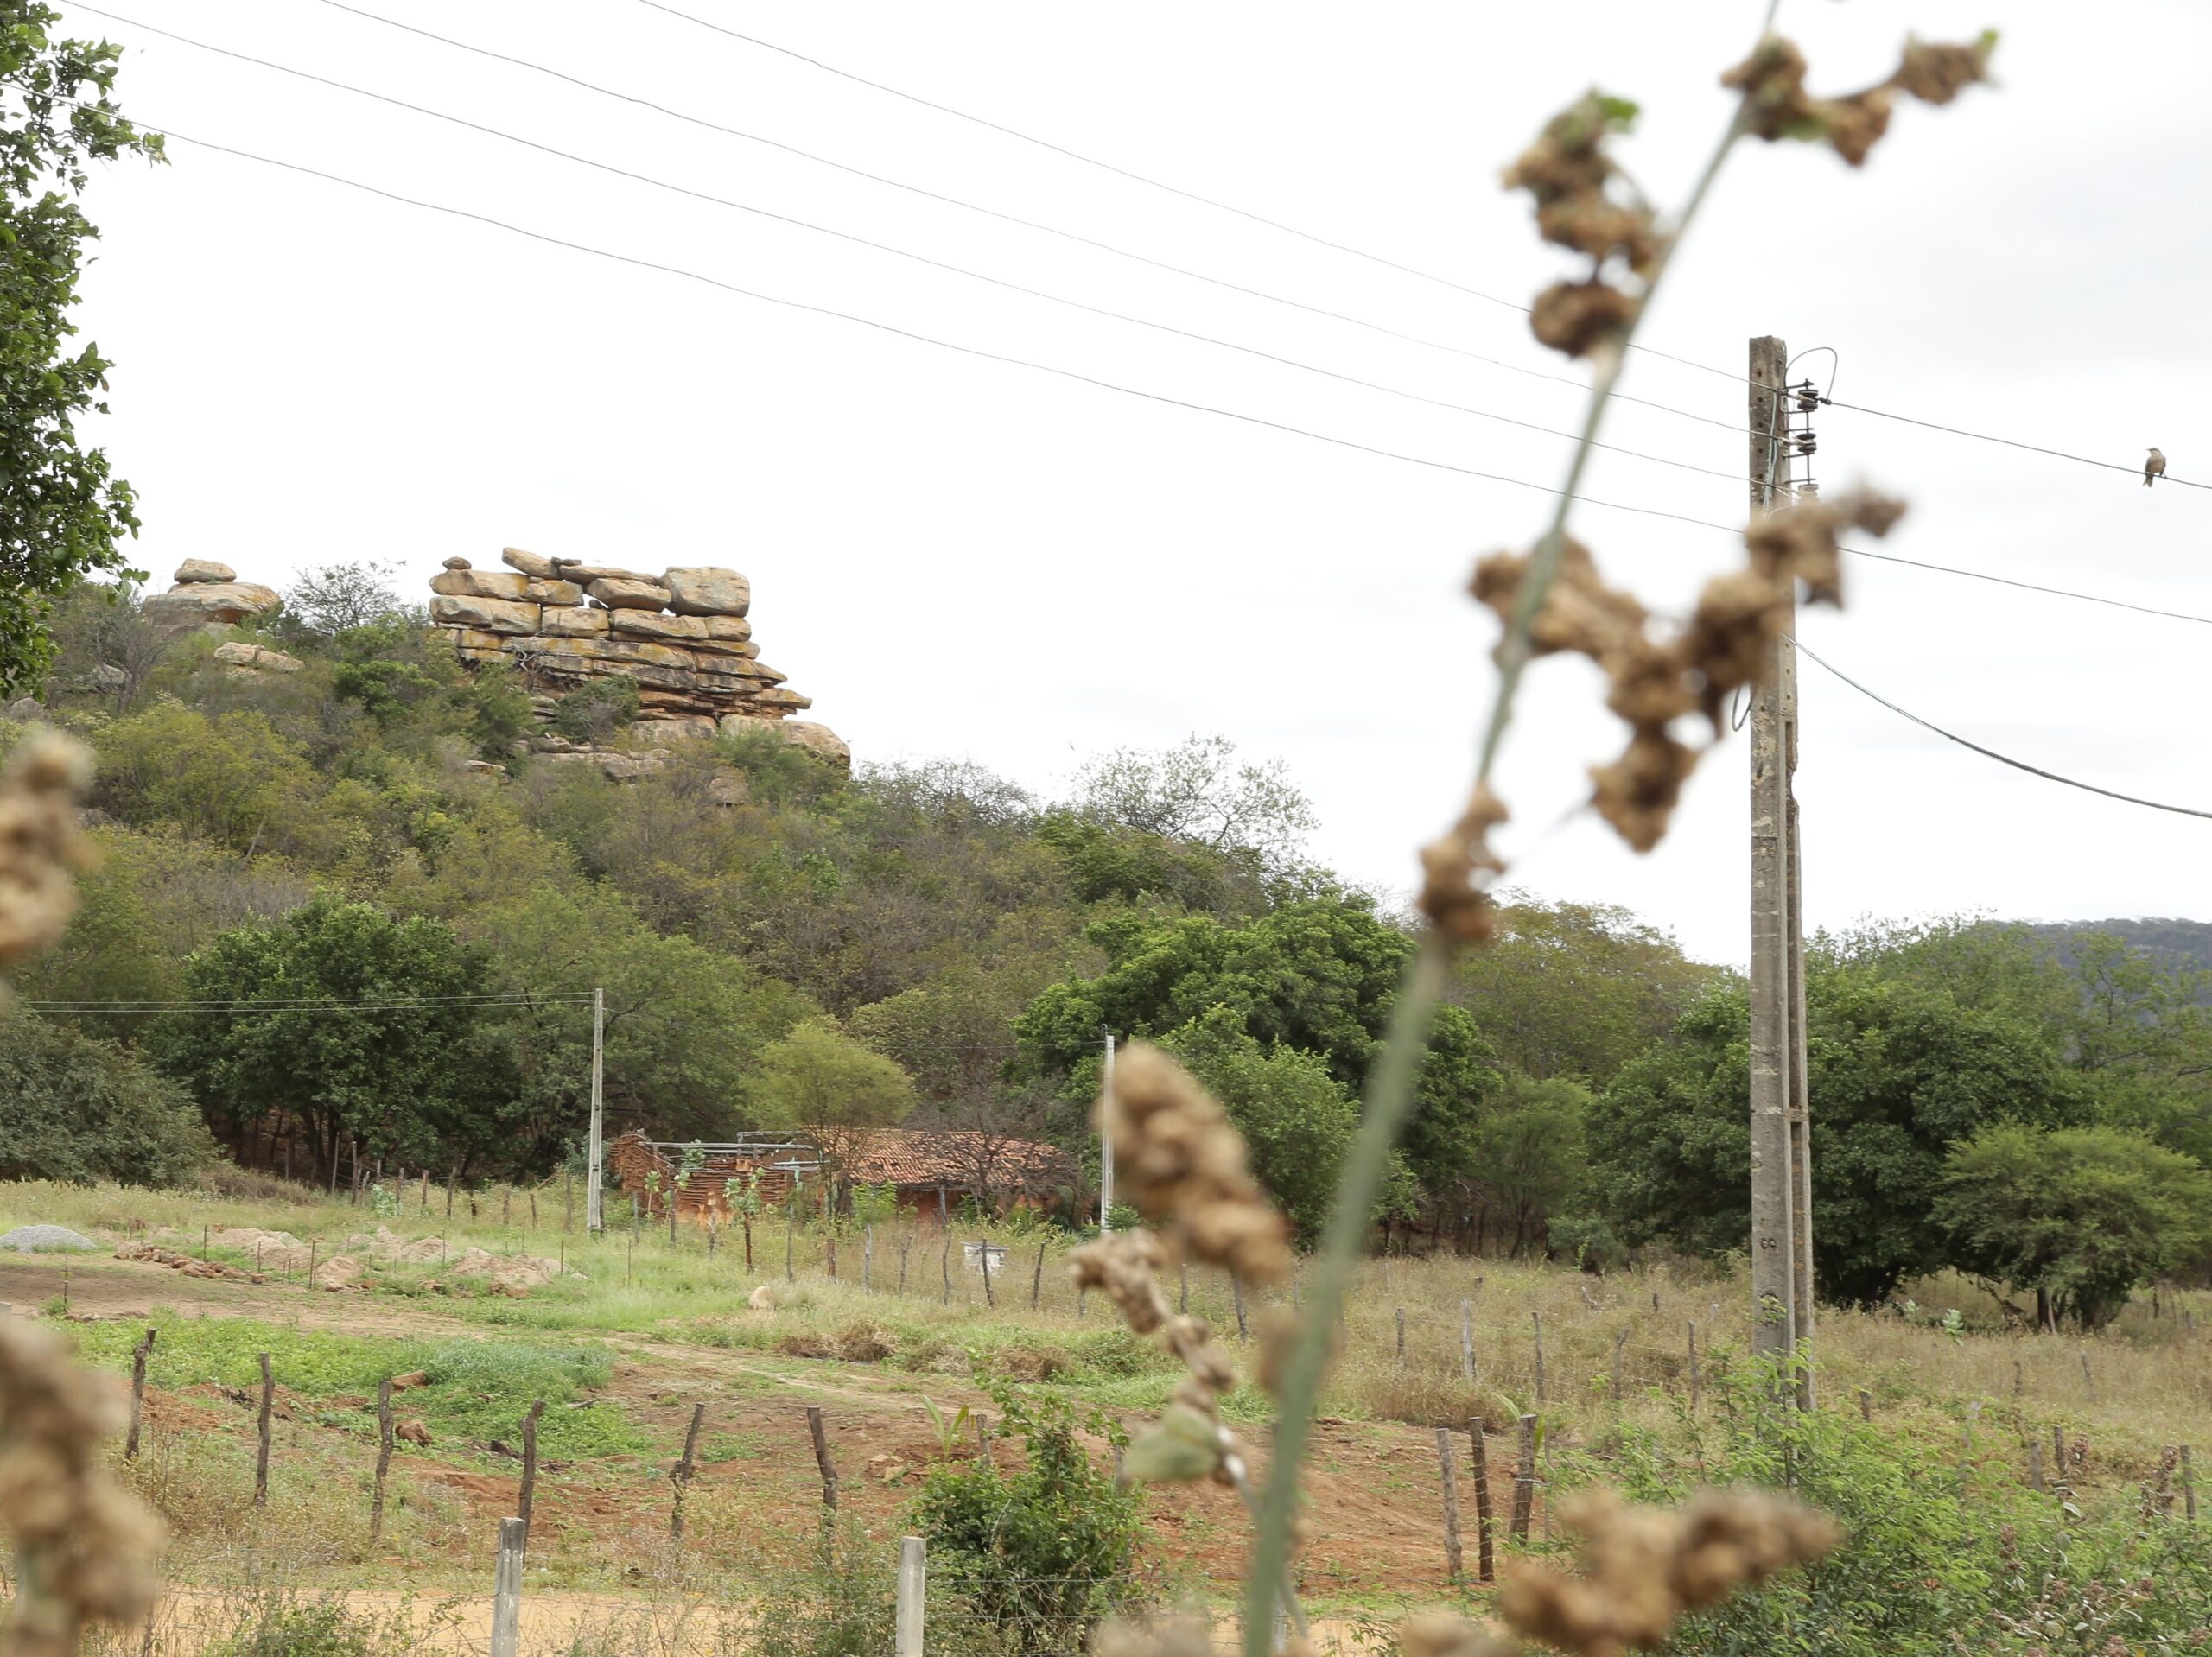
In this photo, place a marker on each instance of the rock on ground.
(25, 1239)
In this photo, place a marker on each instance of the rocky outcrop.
(682, 635)
(250, 659)
(209, 595)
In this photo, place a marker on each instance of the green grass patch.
(476, 1390)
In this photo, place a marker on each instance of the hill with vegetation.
(781, 944)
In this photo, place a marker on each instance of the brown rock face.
(575, 624)
(651, 624)
(202, 603)
(701, 590)
(697, 669)
(621, 593)
(203, 569)
(530, 563)
(491, 615)
(480, 583)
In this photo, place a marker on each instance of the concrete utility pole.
(1106, 1146)
(1781, 1231)
(595, 1146)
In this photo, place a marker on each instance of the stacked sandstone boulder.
(208, 593)
(681, 635)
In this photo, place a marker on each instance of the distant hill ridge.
(2183, 943)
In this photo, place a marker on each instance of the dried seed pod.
(1579, 318)
(39, 842)
(1183, 1164)
(1772, 81)
(1936, 73)
(1452, 897)
(1124, 1265)
(86, 1552)
(1641, 1568)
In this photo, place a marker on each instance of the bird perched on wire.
(2154, 468)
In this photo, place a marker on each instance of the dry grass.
(2151, 1375)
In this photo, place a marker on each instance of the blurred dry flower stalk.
(1642, 1570)
(86, 1550)
(39, 843)
(1183, 1165)
(1552, 599)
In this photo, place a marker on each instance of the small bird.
(2154, 467)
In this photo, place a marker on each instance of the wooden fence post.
(1183, 1292)
(1865, 1405)
(989, 1299)
(868, 1255)
(2088, 1378)
(1486, 1565)
(261, 1452)
(913, 1582)
(1037, 1277)
(528, 1497)
(2035, 1465)
(671, 1216)
(905, 1248)
(139, 1354)
(1693, 1374)
(822, 1463)
(1454, 1559)
(2188, 1488)
(383, 1458)
(680, 1475)
(790, 1227)
(1537, 1318)
(1467, 1340)
(1620, 1338)
(568, 1200)
(1401, 1337)
(1237, 1294)
(745, 1221)
(1524, 1478)
(945, 1267)
(829, 1245)
(506, 1589)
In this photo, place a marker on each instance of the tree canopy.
(62, 509)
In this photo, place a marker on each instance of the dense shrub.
(77, 1108)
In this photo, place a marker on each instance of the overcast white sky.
(957, 557)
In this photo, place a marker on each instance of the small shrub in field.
(281, 1623)
(1035, 1559)
(838, 1602)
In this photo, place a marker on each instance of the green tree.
(1528, 1158)
(62, 510)
(1200, 792)
(820, 1080)
(685, 1027)
(76, 1109)
(1899, 1071)
(1297, 1119)
(1317, 975)
(281, 1026)
(1575, 990)
(2082, 1216)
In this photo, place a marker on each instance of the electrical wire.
(888, 327)
(1110, 385)
(1991, 753)
(971, 206)
(309, 1004)
(2009, 442)
(901, 252)
(1139, 178)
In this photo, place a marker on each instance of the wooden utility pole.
(1782, 1252)
(595, 1146)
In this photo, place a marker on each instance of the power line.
(1991, 753)
(901, 252)
(309, 1004)
(2009, 442)
(973, 207)
(889, 327)
(1110, 385)
(1157, 184)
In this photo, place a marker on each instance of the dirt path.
(1376, 1507)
